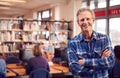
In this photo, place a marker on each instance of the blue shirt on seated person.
(2, 66)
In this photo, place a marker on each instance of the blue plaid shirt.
(91, 52)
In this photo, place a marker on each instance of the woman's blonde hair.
(37, 50)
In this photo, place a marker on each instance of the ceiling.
(14, 8)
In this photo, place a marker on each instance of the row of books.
(15, 47)
(27, 25)
(25, 36)
(5, 48)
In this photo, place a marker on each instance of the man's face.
(85, 21)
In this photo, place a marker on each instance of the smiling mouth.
(85, 26)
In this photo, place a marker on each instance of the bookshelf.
(30, 32)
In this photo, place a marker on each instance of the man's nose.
(85, 21)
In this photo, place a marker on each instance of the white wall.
(68, 12)
(57, 13)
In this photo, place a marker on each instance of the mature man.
(90, 53)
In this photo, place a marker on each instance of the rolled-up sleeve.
(75, 68)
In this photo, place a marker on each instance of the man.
(90, 54)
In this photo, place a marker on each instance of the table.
(58, 68)
(19, 69)
(10, 73)
(15, 70)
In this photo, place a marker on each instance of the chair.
(60, 56)
(115, 71)
(57, 55)
(39, 73)
(117, 51)
(2, 75)
(12, 60)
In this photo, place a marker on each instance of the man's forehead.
(85, 15)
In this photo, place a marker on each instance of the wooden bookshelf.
(29, 32)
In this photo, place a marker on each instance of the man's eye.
(82, 20)
(88, 19)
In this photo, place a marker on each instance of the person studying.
(38, 61)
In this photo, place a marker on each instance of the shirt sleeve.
(48, 68)
(75, 68)
(105, 63)
(29, 67)
(3, 66)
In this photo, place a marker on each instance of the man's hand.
(81, 61)
(106, 53)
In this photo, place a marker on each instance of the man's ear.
(93, 20)
(77, 21)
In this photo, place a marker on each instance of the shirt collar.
(82, 37)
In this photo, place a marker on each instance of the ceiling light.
(5, 3)
(13, 1)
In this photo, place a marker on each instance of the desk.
(10, 73)
(15, 66)
(20, 70)
(15, 70)
(59, 68)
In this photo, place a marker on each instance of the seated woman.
(2, 66)
(38, 61)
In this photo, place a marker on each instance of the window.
(101, 3)
(114, 2)
(100, 26)
(84, 4)
(97, 4)
(92, 5)
(44, 15)
(114, 31)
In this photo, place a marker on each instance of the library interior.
(50, 24)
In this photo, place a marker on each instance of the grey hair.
(86, 9)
